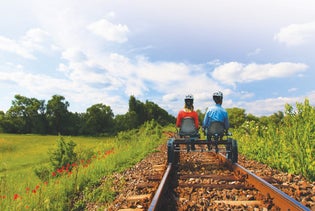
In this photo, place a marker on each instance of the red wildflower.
(27, 190)
(16, 196)
(34, 191)
(53, 174)
(37, 187)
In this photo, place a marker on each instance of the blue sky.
(260, 54)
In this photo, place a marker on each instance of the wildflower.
(37, 187)
(34, 191)
(53, 174)
(27, 189)
(16, 196)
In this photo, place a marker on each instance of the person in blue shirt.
(216, 113)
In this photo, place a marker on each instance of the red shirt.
(182, 114)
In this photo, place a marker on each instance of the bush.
(64, 155)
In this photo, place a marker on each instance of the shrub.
(63, 155)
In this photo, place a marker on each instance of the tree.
(99, 119)
(26, 114)
(236, 116)
(153, 111)
(126, 122)
(57, 114)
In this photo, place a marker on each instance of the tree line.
(33, 116)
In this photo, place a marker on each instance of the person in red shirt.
(188, 111)
(187, 121)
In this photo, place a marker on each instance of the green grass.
(21, 189)
(23, 151)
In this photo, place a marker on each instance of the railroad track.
(208, 181)
(199, 180)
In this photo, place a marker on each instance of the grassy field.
(20, 155)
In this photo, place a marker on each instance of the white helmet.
(218, 94)
(189, 97)
(218, 97)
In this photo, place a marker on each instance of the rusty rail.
(157, 197)
(282, 200)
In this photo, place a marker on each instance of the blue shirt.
(216, 113)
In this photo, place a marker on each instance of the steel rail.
(157, 196)
(282, 200)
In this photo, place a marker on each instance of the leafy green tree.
(137, 107)
(99, 119)
(153, 111)
(126, 122)
(237, 116)
(76, 124)
(27, 114)
(57, 114)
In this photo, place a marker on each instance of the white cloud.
(234, 72)
(296, 34)
(109, 31)
(34, 40)
(13, 46)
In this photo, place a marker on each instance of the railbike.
(188, 137)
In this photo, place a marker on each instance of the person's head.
(189, 101)
(218, 97)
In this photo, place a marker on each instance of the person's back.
(187, 120)
(187, 111)
(216, 113)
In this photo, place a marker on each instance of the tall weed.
(289, 146)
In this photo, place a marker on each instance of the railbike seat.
(216, 129)
(188, 128)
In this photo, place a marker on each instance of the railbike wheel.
(234, 151)
(170, 151)
(228, 148)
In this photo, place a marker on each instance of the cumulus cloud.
(13, 46)
(296, 34)
(234, 72)
(109, 31)
(33, 40)
(268, 106)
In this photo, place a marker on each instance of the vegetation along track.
(200, 181)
